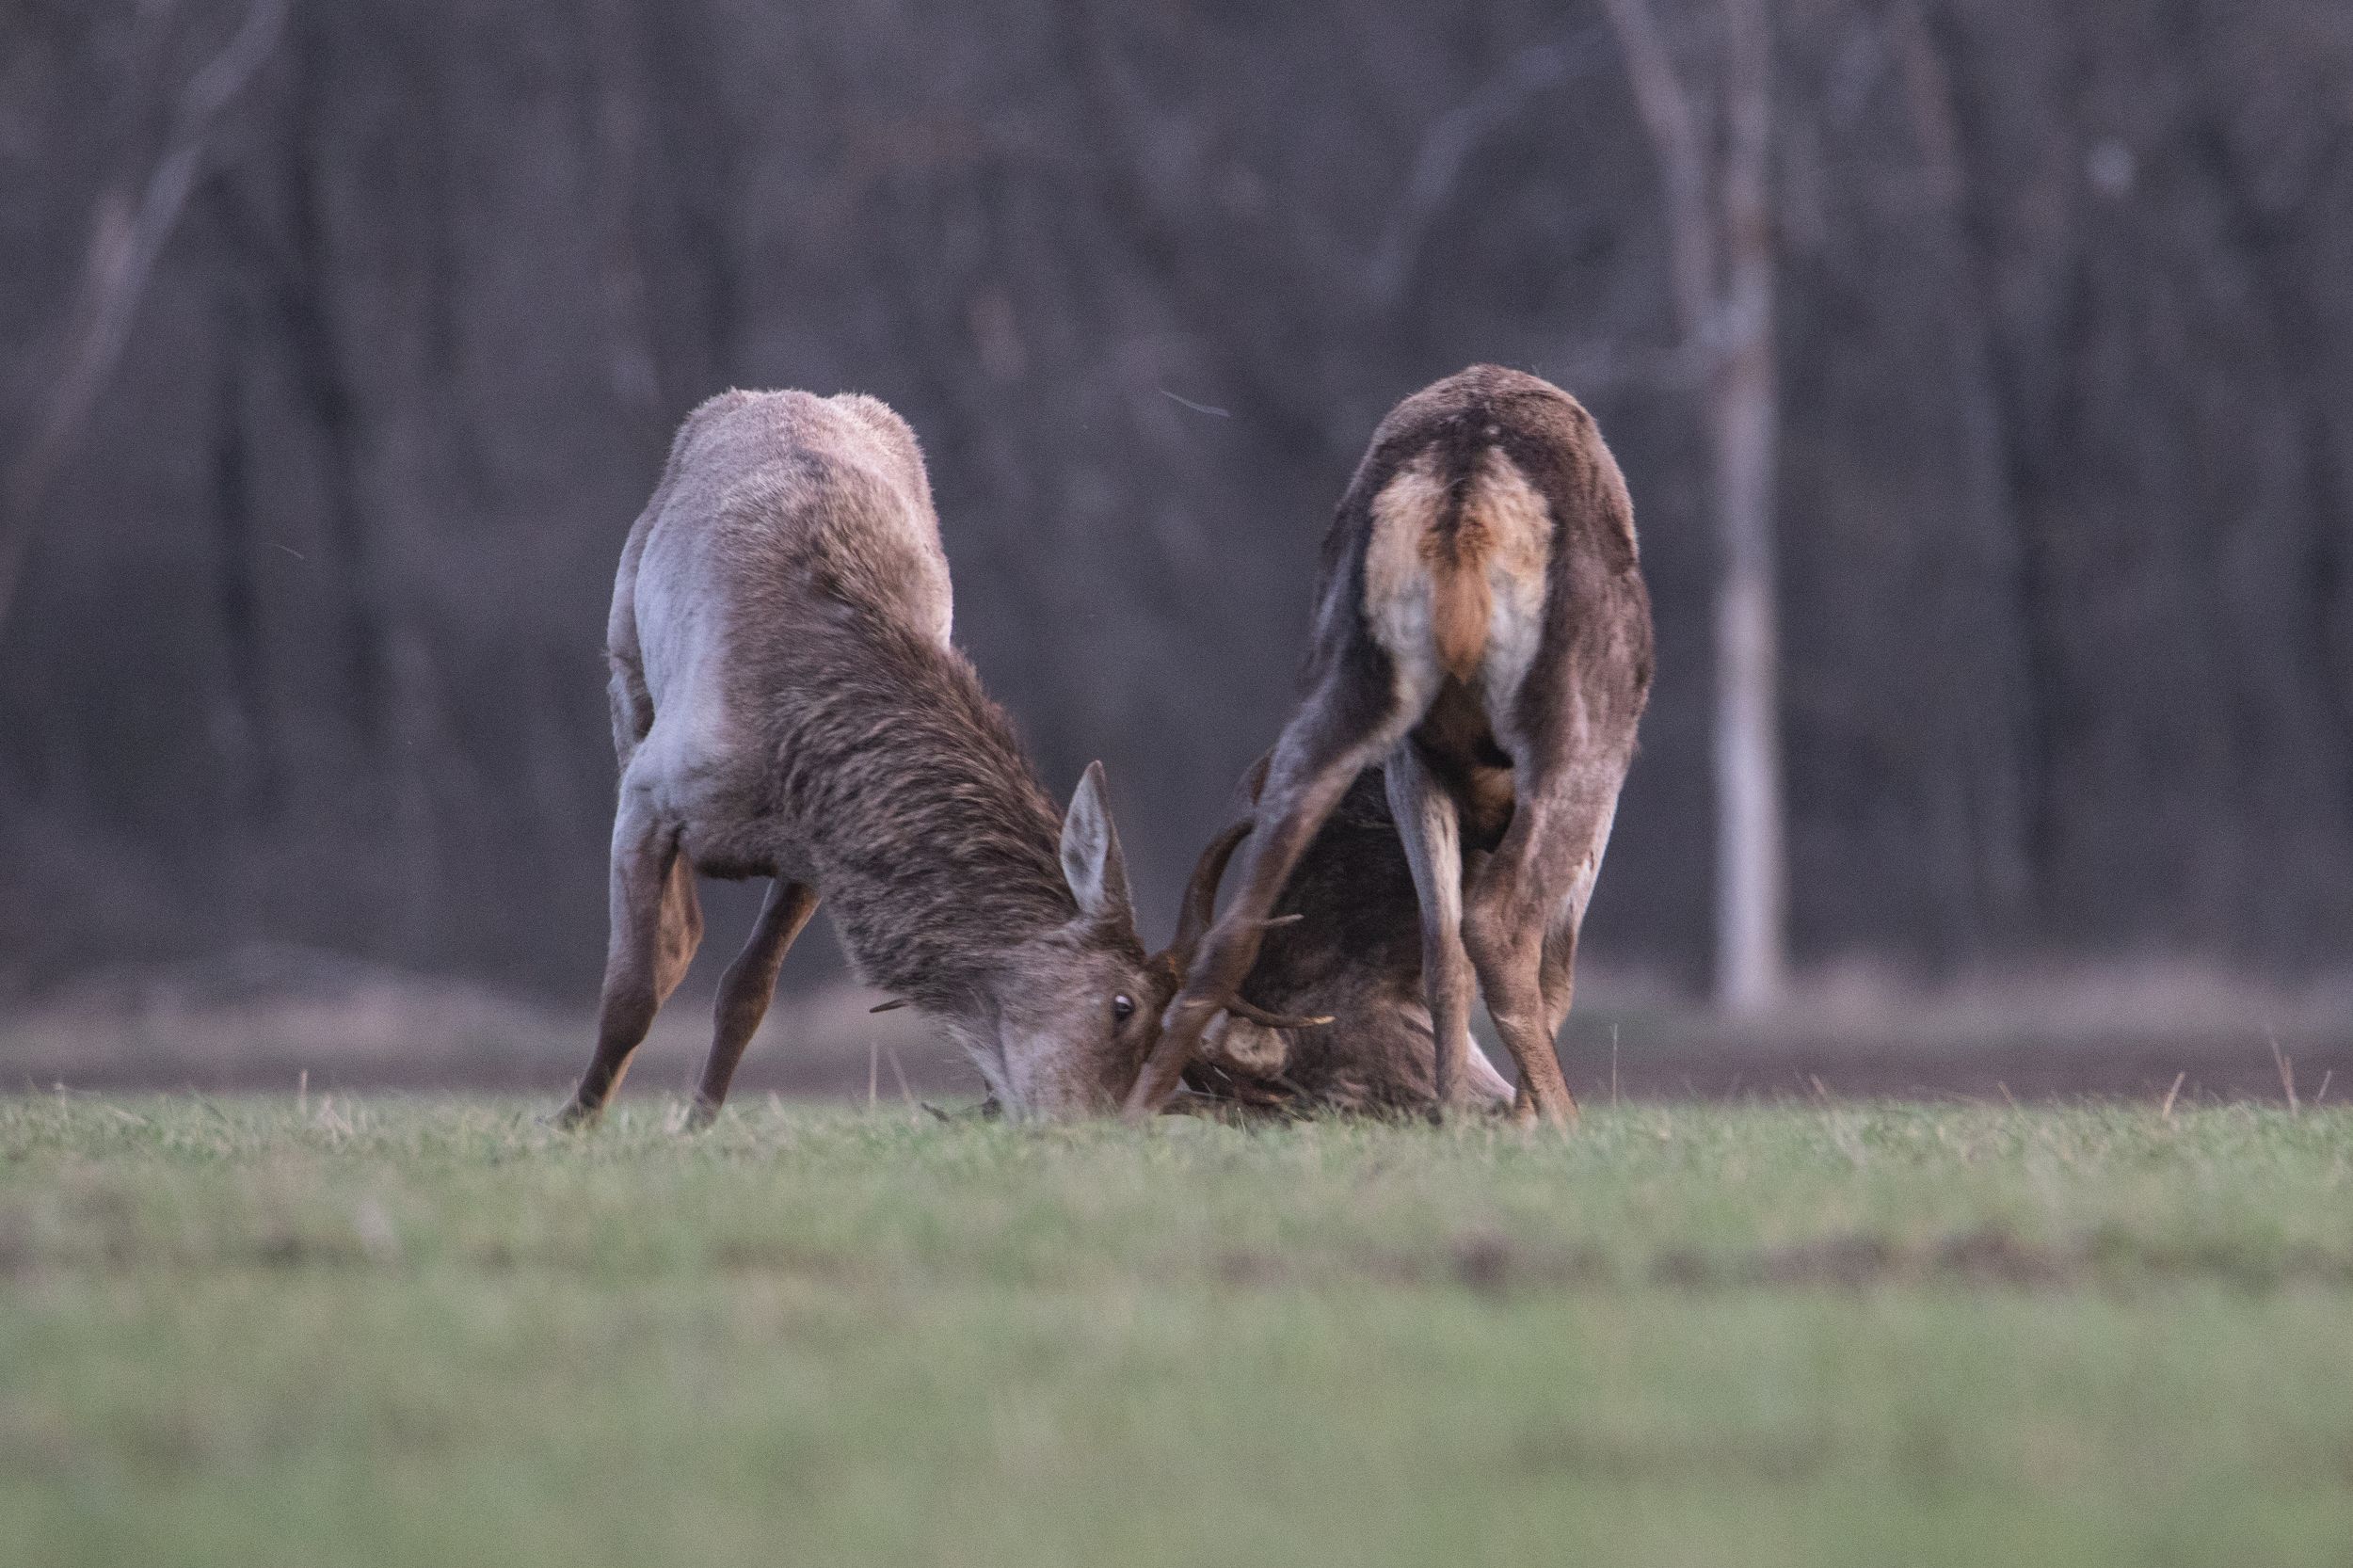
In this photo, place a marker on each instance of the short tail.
(1461, 603)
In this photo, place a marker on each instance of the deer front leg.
(656, 925)
(750, 984)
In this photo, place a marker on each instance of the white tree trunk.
(1720, 244)
(1752, 894)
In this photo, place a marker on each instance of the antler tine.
(1258, 1014)
(1254, 782)
(1200, 905)
(1200, 910)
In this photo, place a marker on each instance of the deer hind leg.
(1316, 760)
(1522, 917)
(1430, 825)
(657, 923)
(749, 986)
(1589, 841)
(1508, 956)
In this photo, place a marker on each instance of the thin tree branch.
(1747, 230)
(1450, 142)
(124, 244)
(1684, 174)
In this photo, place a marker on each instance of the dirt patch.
(1992, 1259)
(1491, 1265)
(265, 1023)
(259, 1021)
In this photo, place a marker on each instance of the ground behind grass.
(428, 1331)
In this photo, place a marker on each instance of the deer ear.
(1091, 861)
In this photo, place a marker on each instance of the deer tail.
(1461, 601)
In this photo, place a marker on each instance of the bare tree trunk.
(1720, 252)
(125, 241)
(1987, 748)
(1744, 416)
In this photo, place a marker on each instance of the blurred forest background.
(305, 648)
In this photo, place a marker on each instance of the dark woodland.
(315, 541)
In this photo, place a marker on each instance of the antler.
(1200, 906)
(1199, 911)
(1258, 1014)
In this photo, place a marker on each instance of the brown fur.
(1502, 714)
(1353, 954)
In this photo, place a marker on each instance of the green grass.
(433, 1332)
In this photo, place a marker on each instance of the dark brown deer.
(1482, 630)
(1333, 1015)
(787, 704)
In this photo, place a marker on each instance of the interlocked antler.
(1199, 911)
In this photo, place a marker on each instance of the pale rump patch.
(1396, 577)
(1467, 601)
(1518, 529)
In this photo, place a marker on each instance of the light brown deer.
(787, 704)
(1482, 633)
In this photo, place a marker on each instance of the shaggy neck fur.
(937, 847)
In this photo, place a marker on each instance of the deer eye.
(1123, 1007)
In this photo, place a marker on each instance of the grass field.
(430, 1331)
